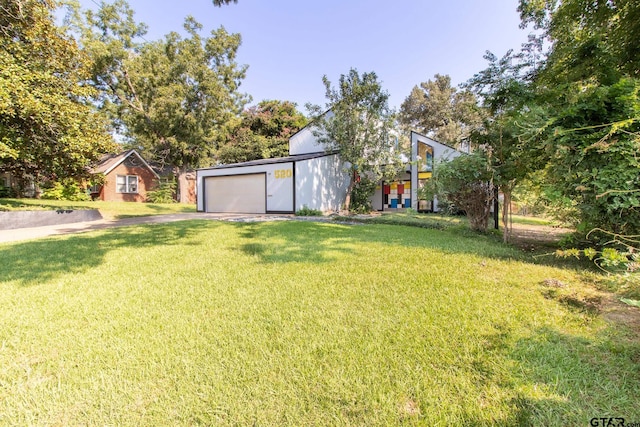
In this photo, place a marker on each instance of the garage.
(236, 193)
(274, 186)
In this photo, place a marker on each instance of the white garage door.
(236, 194)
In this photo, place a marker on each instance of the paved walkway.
(79, 227)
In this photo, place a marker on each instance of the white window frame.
(127, 184)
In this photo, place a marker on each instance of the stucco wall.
(305, 142)
(321, 183)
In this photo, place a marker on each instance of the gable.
(130, 158)
(305, 142)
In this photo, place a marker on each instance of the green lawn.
(107, 209)
(299, 323)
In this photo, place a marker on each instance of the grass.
(299, 323)
(532, 220)
(110, 210)
(412, 219)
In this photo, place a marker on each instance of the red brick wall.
(146, 182)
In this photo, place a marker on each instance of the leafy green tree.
(592, 148)
(48, 128)
(467, 183)
(243, 145)
(590, 40)
(504, 88)
(263, 132)
(437, 109)
(588, 106)
(174, 97)
(360, 126)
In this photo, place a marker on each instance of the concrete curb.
(28, 219)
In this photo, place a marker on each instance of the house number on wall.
(283, 173)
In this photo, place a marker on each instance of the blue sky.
(290, 44)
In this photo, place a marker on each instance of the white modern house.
(311, 177)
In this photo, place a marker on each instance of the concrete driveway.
(79, 227)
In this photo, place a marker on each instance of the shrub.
(466, 183)
(361, 196)
(164, 193)
(7, 192)
(305, 211)
(67, 189)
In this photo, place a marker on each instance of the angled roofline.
(311, 122)
(273, 160)
(434, 140)
(124, 157)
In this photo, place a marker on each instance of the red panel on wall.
(400, 188)
(387, 189)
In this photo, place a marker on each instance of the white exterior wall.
(440, 151)
(321, 183)
(305, 142)
(279, 189)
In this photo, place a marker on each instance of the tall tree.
(504, 89)
(589, 100)
(438, 110)
(360, 126)
(174, 97)
(47, 126)
(263, 132)
(589, 40)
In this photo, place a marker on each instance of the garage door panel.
(236, 193)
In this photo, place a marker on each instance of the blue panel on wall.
(394, 203)
(407, 203)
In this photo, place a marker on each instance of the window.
(126, 183)
(425, 154)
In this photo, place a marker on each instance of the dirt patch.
(531, 237)
(596, 302)
(616, 311)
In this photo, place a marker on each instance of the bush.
(165, 192)
(7, 192)
(305, 211)
(466, 183)
(67, 189)
(361, 196)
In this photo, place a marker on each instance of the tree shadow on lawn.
(317, 242)
(294, 241)
(38, 261)
(598, 377)
(557, 378)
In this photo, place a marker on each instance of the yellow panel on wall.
(424, 175)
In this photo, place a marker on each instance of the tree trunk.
(183, 185)
(352, 184)
(506, 214)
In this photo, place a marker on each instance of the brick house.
(127, 178)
